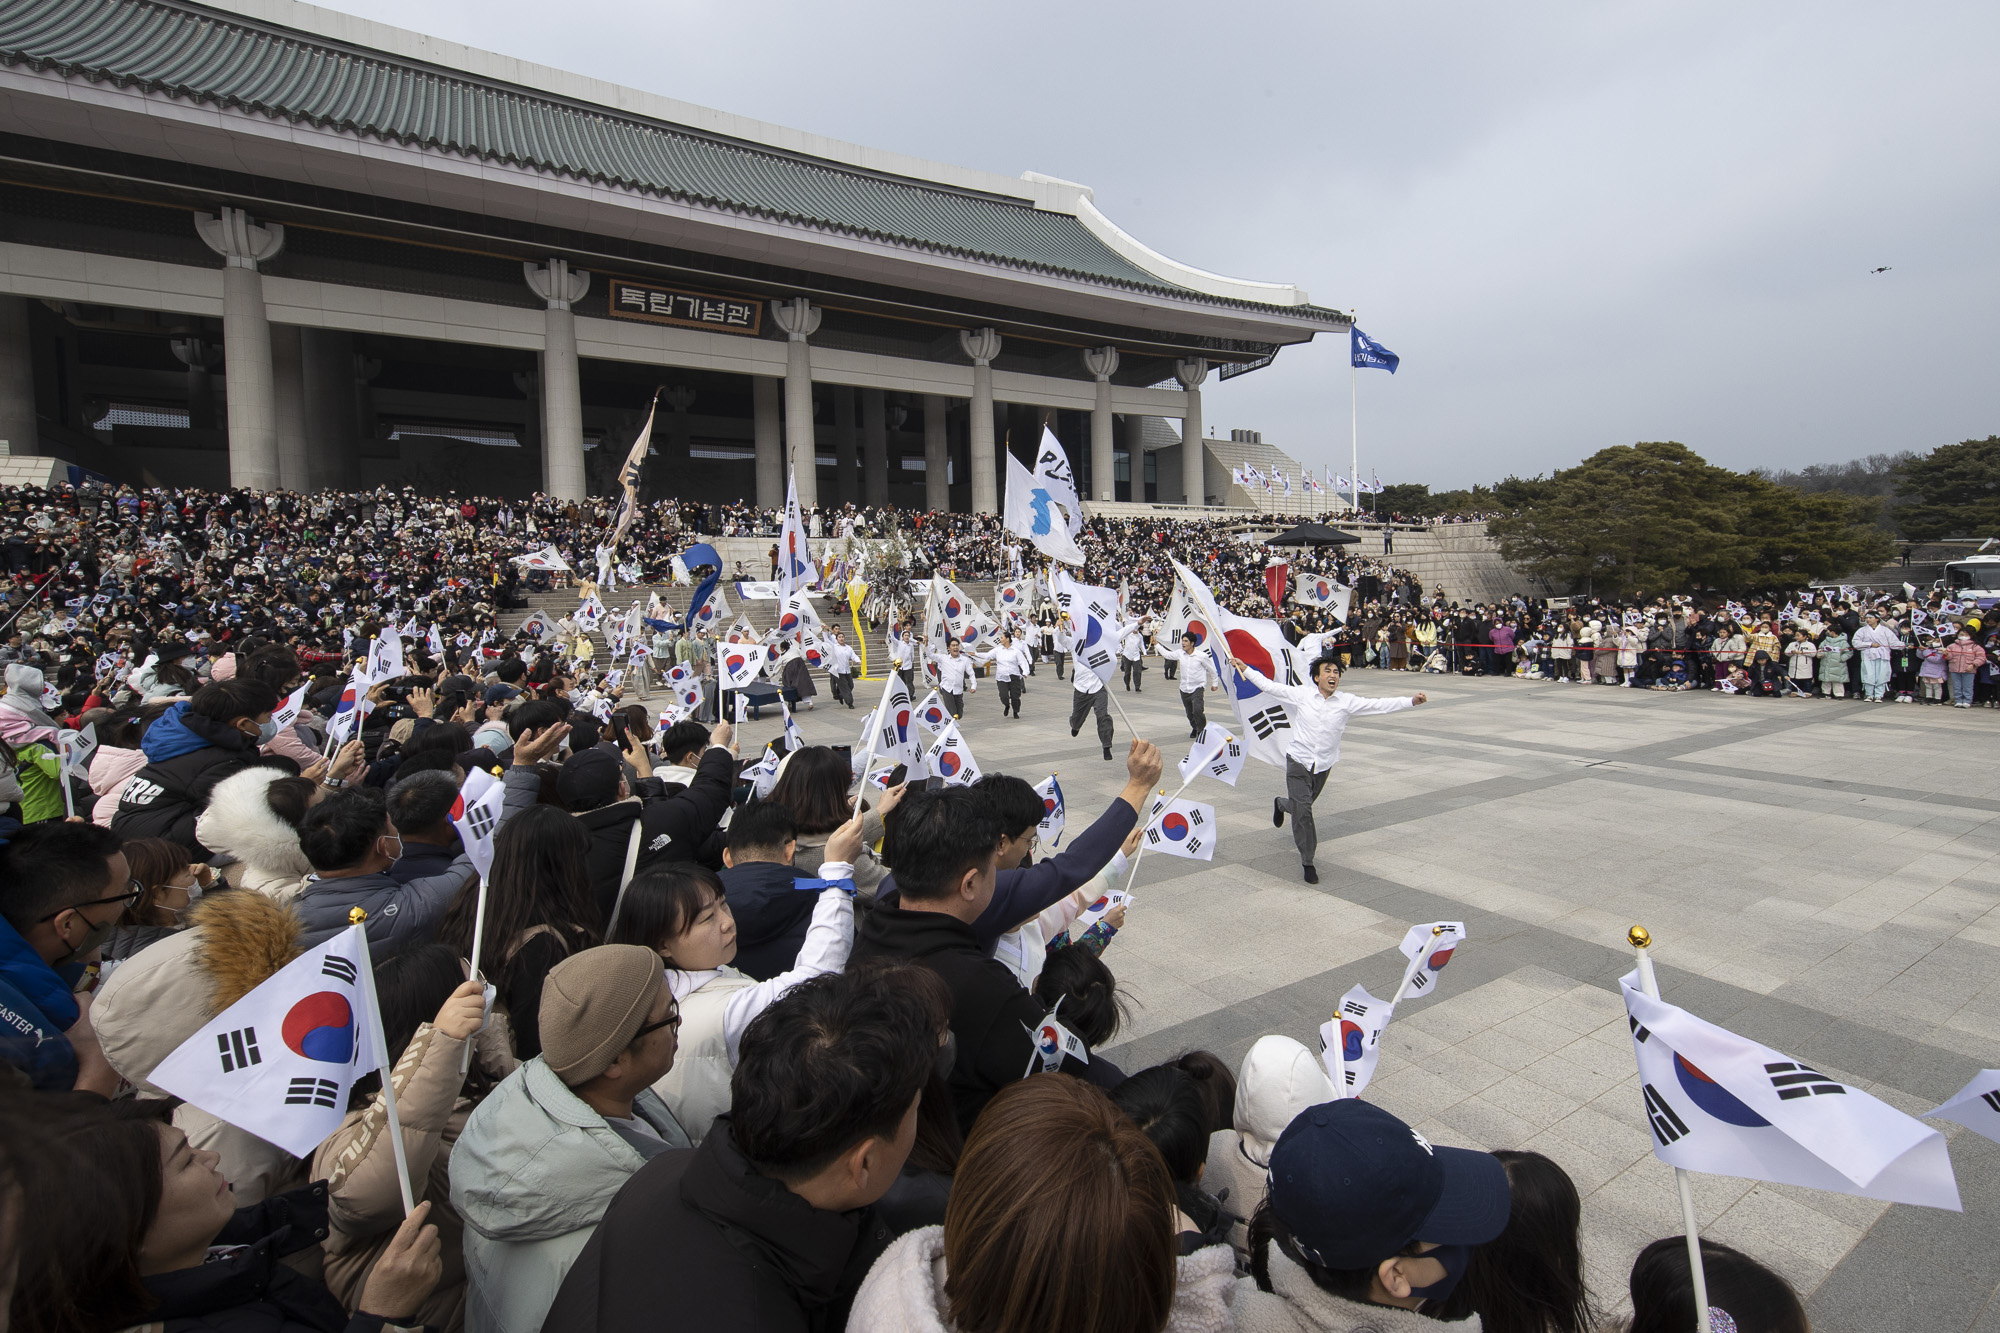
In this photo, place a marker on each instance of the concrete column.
(246, 343)
(874, 447)
(937, 456)
(288, 396)
(799, 318)
(982, 345)
(19, 435)
(562, 390)
(770, 448)
(326, 360)
(846, 448)
(1193, 473)
(1102, 363)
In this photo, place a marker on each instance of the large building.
(265, 244)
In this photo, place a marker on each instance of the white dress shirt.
(955, 674)
(1195, 672)
(1131, 643)
(1009, 663)
(1318, 722)
(840, 659)
(1086, 680)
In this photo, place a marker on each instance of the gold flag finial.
(356, 915)
(1639, 936)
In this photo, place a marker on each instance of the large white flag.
(932, 715)
(1323, 590)
(1359, 1022)
(739, 664)
(1729, 1106)
(1183, 828)
(1031, 512)
(951, 758)
(1976, 1105)
(1428, 945)
(1217, 753)
(281, 1061)
(1093, 622)
(385, 656)
(1054, 813)
(795, 562)
(1052, 471)
(895, 739)
(476, 815)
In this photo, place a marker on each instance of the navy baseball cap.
(1355, 1185)
(500, 694)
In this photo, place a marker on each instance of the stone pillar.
(326, 359)
(874, 447)
(1102, 363)
(770, 448)
(982, 345)
(937, 456)
(562, 390)
(246, 343)
(799, 318)
(1194, 484)
(18, 431)
(846, 450)
(288, 396)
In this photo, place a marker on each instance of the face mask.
(1455, 1258)
(267, 731)
(945, 1059)
(96, 936)
(396, 855)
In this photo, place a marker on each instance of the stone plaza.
(1822, 877)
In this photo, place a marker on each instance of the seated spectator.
(172, 1248)
(541, 1158)
(773, 1210)
(919, 1196)
(812, 784)
(1168, 1108)
(630, 833)
(23, 718)
(1058, 1220)
(682, 913)
(117, 758)
(1279, 1079)
(63, 887)
(1075, 981)
(170, 882)
(758, 877)
(1362, 1213)
(1752, 1297)
(1529, 1278)
(255, 817)
(429, 1013)
(192, 747)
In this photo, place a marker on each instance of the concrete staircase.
(1460, 556)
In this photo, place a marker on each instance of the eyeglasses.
(673, 1019)
(134, 892)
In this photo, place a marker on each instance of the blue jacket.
(771, 916)
(36, 1007)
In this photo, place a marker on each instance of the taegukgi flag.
(795, 562)
(739, 664)
(1357, 1026)
(1054, 812)
(1217, 753)
(1183, 828)
(1428, 945)
(932, 715)
(1976, 1105)
(951, 758)
(892, 723)
(476, 816)
(1093, 622)
(1724, 1104)
(281, 1061)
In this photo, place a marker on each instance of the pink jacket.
(110, 770)
(1962, 657)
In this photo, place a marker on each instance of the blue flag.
(1371, 355)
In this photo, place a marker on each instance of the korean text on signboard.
(695, 310)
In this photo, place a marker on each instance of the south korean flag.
(1183, 828)
(739, 665)
(1429, 947)
(951, 758)
(1726, 1105)
(1217, 754)
(1053, 1042)
(932, 715)
(1050, 830)
(1350, 1042)
(476, 816)
(1092, 618)
(281, 1061)
(1976, 1105)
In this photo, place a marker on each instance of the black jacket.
(767, 1259)
(250, 1291)
(673, 828)
(993, 1018)
(421, 860)
(164, 798)
(772, 915)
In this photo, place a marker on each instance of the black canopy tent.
(1313, 534)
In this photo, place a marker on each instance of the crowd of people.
(738, 1054)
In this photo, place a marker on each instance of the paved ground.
(1823, 877)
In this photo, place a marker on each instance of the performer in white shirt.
(955, 676)
(1132, 651)
(1010, 666)
(1194, 677)
(1090, 696)
(902, 655)
(840, 660)
(607, 576)
(1319, 718)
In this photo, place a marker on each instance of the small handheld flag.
(1183, 828)
(1350, 1043)
(1050, 830)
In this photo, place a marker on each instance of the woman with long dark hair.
(812, 784)
(1530, 1278)
(1752, 1297)
(539, 911)
(171, 884)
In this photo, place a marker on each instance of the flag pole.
(1354, 414)
(1339, 1050)
(1415, 963)
(387, 1068)
(1641, 941)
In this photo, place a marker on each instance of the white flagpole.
(388, 1059)
(1354, 412)
(478, 937)
(1641, 940)
(1402, 991)
(1339, 1051)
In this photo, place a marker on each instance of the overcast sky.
(1579, 225)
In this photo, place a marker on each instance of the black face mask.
(945, 1059)
(1455, 1259)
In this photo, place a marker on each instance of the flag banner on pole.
(1265, 722)
(813, 649)
(288, 710)
(1217, 753)
(1185, 618)
(1183, 828)
(1054, 813)
(77, 747)
(740, 631)
(1275, 576)
(713, 611)
(951, 758)
(959, 617)
(476, 816)
(763, 774)
(1053, 1041)
(385, 656)
(1429, 946)
(797, 614)
(1014, 596)
(932, 715)
(434, 641)
(1371, 355)
(795, 565)
(628, 476)
(1976, 1105)
(739, 664)
(281, 1061)
(1729, 1106)
(1052, 471)
(1322, 590)
(689, 696)
(1031, 512)
(1093, 619)
(546, 558)
(352, 708)
(1359, 1024)
(540, 626)
(895, 740)
(794, 738)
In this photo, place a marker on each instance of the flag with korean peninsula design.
(1721, 1103)
(1183, 828)
(281, 1062)
(951, 758)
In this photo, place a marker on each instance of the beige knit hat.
(592, 1003)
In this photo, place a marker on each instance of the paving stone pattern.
(1821, 876)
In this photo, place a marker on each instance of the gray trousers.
(1081, 704)
(1010, 695)
(1197, 712)
(1302, 788)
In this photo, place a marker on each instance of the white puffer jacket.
(239, 821)
(1279, 1078)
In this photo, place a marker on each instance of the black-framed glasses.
(673, 1019)
(133, 894)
